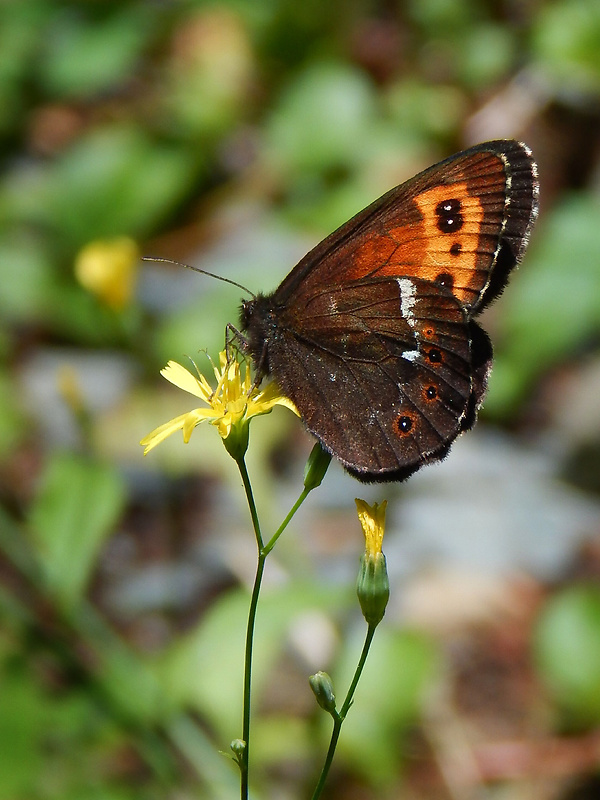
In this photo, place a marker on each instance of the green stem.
(263, 552)
(271, 543)
(250, 499)
(260, 568)
(340, 716)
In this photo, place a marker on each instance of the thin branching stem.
(340, 716)
(263, 552)
(271, 543)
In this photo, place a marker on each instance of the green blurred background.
(233, 136)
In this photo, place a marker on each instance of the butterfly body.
(372, 334)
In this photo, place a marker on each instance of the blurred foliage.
(77, 505)
(568, 651)
(196, 128)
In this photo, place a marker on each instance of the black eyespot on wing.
(445, 279)
(434, 355)
(449, 216)
(404, 424)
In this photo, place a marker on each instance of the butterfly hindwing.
(389, 366)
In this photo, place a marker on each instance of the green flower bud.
(238, 748)
(322, 687)
(316, 467)
(373, 587)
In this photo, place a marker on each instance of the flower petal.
(159, 434)
(372, 520)
(193, 418)
(182, 378)
(266, 399)
(223, 425)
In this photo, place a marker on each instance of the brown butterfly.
(372, 334)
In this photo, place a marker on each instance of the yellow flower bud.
(372, 586)
(109, 269)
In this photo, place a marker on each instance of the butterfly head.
(258, 325)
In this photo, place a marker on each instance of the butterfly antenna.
(158, 260)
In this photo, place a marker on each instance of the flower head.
(372, 586)
(109, 269)
(229, 406)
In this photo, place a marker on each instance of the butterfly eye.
(431, 393)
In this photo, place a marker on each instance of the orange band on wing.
(452, 220)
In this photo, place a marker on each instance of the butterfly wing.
(371, 334)
(463, 223)
(381, 371)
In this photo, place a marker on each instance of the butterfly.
(372, 334)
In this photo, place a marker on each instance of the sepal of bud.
(373, 587)
(236, 443)
(322, 687)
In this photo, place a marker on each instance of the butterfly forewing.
(449, 225)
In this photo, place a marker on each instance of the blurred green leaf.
(552, 306)
(205, 668)
(421, 109)
(215, 62)
(74, 511)
(566, 40)
(25, 272)
(131, 683)
(21, 30)
(567, 649)
(114, 180)
(55, 744)
(322, 121)
(12, 420)
(486, 54)
(197, 327)
(84, 55)
(400, 666)
(279, 738)
(75, 314)
(444, 17)
(25, 716)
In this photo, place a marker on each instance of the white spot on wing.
(407, 299)
(410, 355)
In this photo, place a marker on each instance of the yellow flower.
(372, 586)
(109, 269)
(230, 406)
(372, 520)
